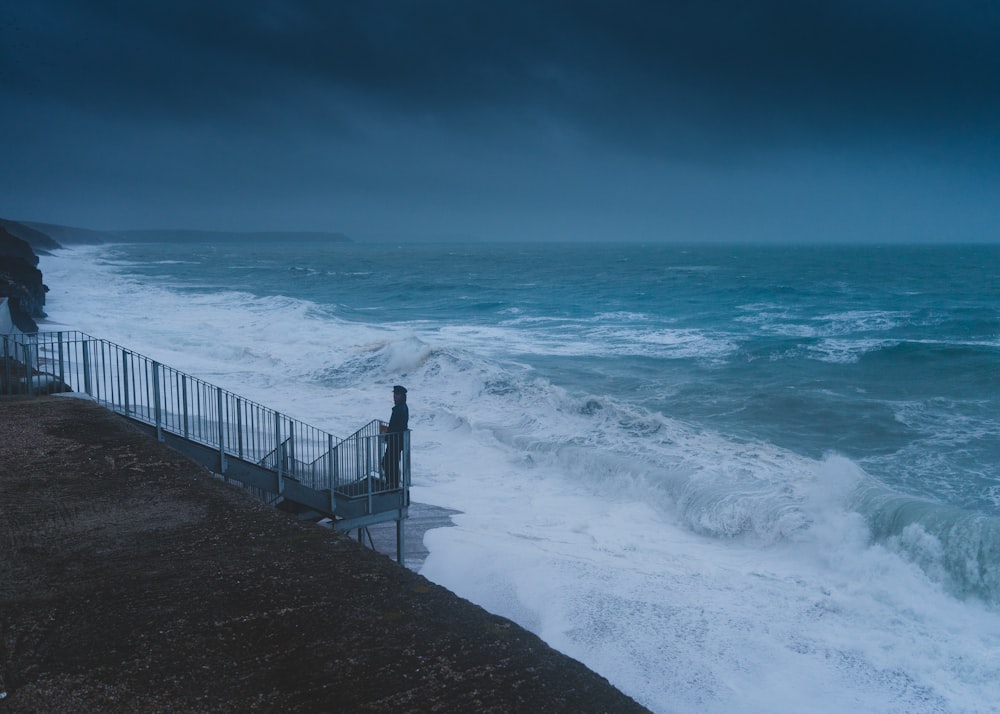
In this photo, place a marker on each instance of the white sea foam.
(846, 351)
(853, 321)
(575, 338)
(779, 320)
(698, 572)
(701, 624)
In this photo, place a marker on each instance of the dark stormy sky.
(686, 120)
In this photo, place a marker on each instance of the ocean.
(728, 478)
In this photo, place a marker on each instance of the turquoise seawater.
(667, 457)
(890, 356)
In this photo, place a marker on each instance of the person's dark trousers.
(390, 461)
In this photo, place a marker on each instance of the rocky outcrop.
(21, 281)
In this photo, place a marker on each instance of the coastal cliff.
(21, 280)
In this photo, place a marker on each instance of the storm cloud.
(712, 120)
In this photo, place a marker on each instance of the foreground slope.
(132, 580)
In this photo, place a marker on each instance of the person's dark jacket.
(399, 421)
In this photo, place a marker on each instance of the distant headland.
(49, 236)
(21, 242)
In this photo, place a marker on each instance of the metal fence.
(172, 402)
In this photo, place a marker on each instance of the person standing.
(394, 431)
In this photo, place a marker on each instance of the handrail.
(176, 403)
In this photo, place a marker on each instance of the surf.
(616, 494)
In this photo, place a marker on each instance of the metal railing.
(237, 429)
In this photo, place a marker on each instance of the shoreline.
(137, 581)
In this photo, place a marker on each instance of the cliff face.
(21, 281)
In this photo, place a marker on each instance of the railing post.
(29, 383)
(87, 386)
(184, 401)
(369, 481)
(405, 469)
(156, 401)
(361, 466)
(330, 461)
(400, 544)
(125, 395)
(239, 427)
(279, 455)
(62, 369)
(336, 466)
(222, 434)
(404, 497)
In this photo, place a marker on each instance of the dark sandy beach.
(132, 580)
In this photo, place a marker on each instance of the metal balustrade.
(292, 463)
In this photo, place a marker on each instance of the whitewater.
(727, 478)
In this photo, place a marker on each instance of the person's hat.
(399, 389)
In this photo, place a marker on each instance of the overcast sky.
(684, 120)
